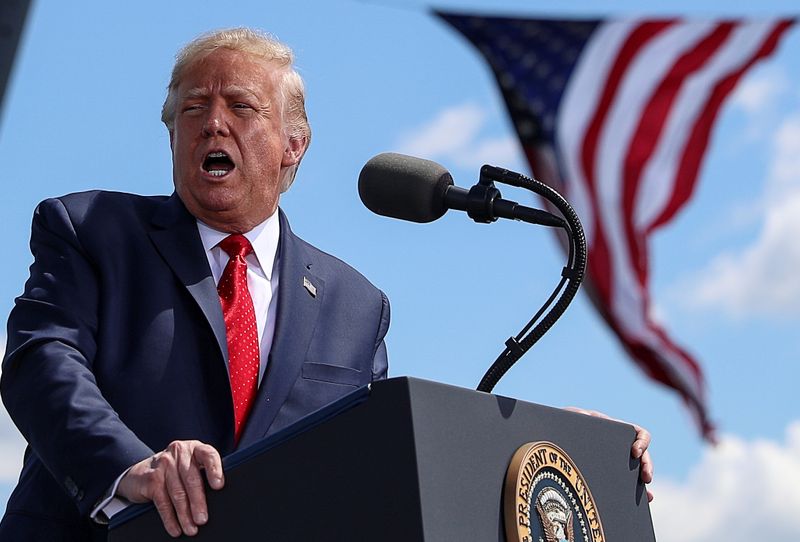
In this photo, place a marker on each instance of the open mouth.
(218, 164)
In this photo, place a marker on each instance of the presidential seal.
(546, 498)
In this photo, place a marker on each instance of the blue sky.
(82, 112)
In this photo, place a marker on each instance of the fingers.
(191, 462)
(638, 449)
(647, 468)
(646, 472)
(593, 413)
(177, 475)
(166, 511)
(207, 458)
(173, 480)
(641, 442)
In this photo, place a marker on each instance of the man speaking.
(156, 334)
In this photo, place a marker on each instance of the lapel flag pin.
(310, 287)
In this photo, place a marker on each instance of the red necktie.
(240, 328)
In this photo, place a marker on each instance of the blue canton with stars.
(532, 60)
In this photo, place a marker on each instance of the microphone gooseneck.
(571, 276)
(419, 190)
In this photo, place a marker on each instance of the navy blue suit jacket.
(117, 347)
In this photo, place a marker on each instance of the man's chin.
(210, 209)
(229, 219)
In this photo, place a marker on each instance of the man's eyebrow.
(237, 90)
(230, 91)
(197, 92)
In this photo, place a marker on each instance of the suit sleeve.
(47, 381)
(380, 361)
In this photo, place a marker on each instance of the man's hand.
(638, 448)
(173, 482)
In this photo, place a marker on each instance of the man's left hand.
(638, 448)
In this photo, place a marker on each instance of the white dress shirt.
(262, 275)
(262, 281)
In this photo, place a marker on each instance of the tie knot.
(236, 245)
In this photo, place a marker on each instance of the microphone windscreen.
(404, 187)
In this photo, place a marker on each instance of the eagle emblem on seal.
(555, 515)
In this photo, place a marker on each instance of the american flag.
(617, 115)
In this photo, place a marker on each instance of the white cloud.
(762, 98)
(498, 151)
(455, 136)
(740, 491)
(759, 90)
(760, 278)
(11, 442)
(785, 169)
(450, 131)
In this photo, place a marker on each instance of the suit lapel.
(178, 241)
(300, 295)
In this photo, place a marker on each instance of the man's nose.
(215, 123)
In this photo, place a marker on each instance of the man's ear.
(294, 151)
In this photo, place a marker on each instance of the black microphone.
(419, 190)
(409, 188)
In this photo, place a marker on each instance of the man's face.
(230, 149)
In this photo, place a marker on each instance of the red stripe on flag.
(653, 364)
(648, 133)
(698, 140)
(599, 256)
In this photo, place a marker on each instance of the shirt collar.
(264, 238)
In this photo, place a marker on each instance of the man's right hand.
(172, 480)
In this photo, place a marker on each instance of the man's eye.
(241, 106)
(192, 107)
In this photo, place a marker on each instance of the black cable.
(572, 275)
(543, 308)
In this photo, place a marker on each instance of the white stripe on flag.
(628, 299)
(577, 108)
(659, 175)
(639, 83)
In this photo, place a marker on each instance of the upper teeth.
(218, 154)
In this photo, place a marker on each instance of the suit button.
(72, 488)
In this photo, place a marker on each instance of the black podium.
(407, 460)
